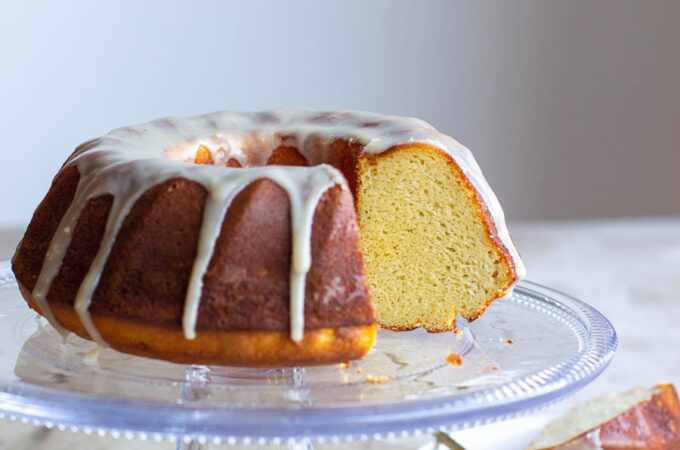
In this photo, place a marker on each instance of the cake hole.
(246, 150)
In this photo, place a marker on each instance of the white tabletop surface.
(628, 269)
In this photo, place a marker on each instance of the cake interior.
(426, 248)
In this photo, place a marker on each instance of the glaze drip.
(129, 161)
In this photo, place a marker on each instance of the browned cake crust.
(248, 348)
(245, 298)
(246, 285)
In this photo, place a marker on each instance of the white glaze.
(128, 161)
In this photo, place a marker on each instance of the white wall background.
(572, 108)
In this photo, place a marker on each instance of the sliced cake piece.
(432, 248)
(637, 419)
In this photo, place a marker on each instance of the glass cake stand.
(525, 352)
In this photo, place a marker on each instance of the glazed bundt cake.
(233, 238)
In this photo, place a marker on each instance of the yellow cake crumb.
(372, 379)
(509, 341)
(359, 370)
(495, 367)
(457, 331)
(454, 359)
(344, 365)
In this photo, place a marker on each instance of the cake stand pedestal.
(524, 353)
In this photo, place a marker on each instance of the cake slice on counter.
(637, 419)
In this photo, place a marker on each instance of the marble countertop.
(628, 269)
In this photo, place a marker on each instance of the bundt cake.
(233, 238)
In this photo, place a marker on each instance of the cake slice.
(637, 419)
(431, 246)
